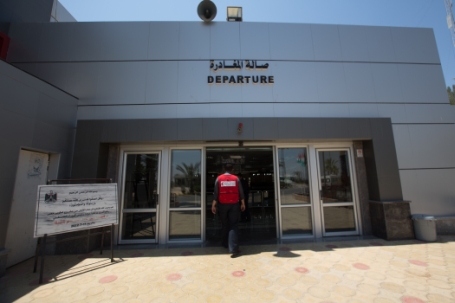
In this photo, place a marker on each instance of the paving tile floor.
(339, 271)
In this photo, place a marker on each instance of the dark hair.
(228, 167)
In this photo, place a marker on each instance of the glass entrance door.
(254, 166)
(140, 198)
(336, 192)
(185, 195)
(294, 193)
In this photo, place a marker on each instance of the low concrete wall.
(445, 225)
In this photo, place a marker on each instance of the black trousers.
(229, 216)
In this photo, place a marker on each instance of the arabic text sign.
(238, 65)
(67, 208)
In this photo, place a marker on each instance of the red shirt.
(228, 189)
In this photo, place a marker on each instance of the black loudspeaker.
(206, 10)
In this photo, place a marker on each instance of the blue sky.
(407, 13)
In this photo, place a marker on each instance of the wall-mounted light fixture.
(234, 13)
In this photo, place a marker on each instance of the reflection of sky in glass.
(185, 156)
(293, 161)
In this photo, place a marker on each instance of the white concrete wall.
(141, 70)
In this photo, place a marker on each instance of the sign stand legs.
(36, 253)
(41, 245)
(81, 190)
(88, 242)
(102, 241)
(112, 243)
(43, 248)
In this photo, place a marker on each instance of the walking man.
(227, 193)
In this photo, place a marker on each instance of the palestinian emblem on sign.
(50, 197)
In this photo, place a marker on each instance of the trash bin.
(425, 228)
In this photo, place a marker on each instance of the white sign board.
(67, 208)
(359, 153)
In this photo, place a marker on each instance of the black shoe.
(235, 254)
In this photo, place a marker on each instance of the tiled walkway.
(342, 271)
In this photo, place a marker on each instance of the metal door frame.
(278, 196)
(355, 199)
(314, 185)
(168, 190)
(165, 149)
(135, 151)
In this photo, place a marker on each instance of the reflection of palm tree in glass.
(331, 167)
(190, 172)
